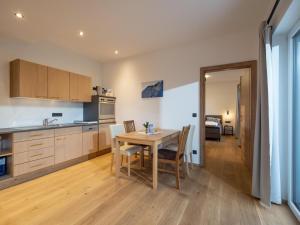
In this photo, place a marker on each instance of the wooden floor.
(88, 194)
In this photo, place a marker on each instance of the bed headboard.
(215, 116)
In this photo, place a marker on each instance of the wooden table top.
(140, 135)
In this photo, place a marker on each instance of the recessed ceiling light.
(207, 76)
(116, 52)
(19, 15)
(81, 33)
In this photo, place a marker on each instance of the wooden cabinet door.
(60, 149)
(85, 88)
(58, 84)
(74, 81)
(41, 87)
(104, 137)
(73, 146)
(90, 142)
(23, 78)
(80, 88)
(28, 79)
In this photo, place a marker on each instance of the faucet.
(46, 122)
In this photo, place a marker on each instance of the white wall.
(22, 112)
(220, 97)
(179, 68)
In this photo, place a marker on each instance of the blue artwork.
(153, 89)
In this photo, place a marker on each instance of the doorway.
(247, 154)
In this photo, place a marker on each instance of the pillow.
(214, 119)
(211, 123)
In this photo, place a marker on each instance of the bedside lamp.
(227, 117)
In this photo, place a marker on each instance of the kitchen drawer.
(90, 128)
(33, 165)
(66, 131)
(26, 146)
(33, 155)
(32, 135)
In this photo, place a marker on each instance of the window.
(295, 182)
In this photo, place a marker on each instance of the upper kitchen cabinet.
(58, 84)
(32, 80)
(28, 79)
(80, 88)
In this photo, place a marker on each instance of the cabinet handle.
(36, 135)
(37, 155)
(36, 165)
(36, 145)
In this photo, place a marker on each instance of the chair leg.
(142, 159)
(178, 176)
(112, 161)
(128, 164)
(122, 157)
(183, 168)
(187, 169)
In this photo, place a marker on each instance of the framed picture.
(153, 89)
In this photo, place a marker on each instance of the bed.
(213, 127)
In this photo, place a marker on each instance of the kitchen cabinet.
(104, 137)
(32, 80)
(58, 84)
(80, 88)
(90, 139)
(28, 79)
(68, 144)
(32, 151)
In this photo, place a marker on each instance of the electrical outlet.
(194, 152)
(57, 114)
(194, 115)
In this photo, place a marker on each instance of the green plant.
(146, 125)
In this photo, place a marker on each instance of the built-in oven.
(107, 109)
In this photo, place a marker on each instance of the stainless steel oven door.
(106, 110)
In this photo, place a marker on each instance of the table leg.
(154, 167)
(117, 158)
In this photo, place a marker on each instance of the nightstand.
(228, 130)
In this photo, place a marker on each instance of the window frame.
(292, 33)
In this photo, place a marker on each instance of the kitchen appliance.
(100, 90)
(101, 109)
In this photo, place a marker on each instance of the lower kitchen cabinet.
(68, 145)
(104, 137)
(90, 139)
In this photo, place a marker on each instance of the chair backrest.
(115, 130)
(182, 141)
(189, 142)
(129, 126)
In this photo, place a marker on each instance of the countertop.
(40, 127)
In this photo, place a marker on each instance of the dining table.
(149, 139)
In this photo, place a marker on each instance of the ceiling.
(227, 76)
(131, 26)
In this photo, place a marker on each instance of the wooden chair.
(167, 156)
(130, 127)
(188, 153)
(125, 149)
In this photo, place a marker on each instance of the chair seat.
(167, 154)
(129, 150)
(172, 147)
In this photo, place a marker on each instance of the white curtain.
(273, 89)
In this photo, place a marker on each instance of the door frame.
(252, 65)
